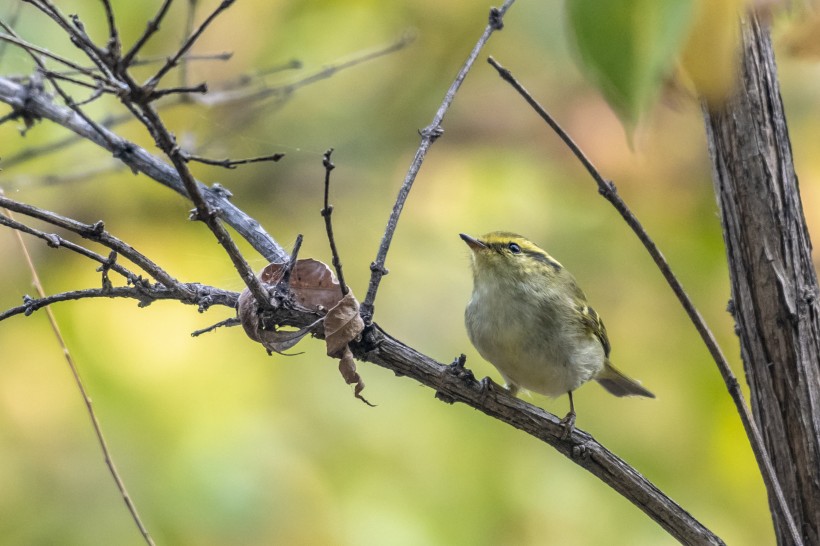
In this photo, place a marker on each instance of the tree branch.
(428, 135)
(35, 103)
(608, 190)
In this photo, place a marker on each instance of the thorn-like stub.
(608, 188)
(220, 190)
(380, 268)
(432, 132)
(496, 19)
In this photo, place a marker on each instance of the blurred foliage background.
(219, 443)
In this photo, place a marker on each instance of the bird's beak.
(472, 242)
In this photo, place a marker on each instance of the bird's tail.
(618, 384)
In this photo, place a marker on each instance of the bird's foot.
(568, 423)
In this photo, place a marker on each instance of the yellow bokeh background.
(219, 443)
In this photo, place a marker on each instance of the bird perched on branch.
(528, 318)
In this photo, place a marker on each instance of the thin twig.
(231, 321)
(31, 48)
(12, 21)
(172, 61)
(95, 232)
(203, 210)
(239, 91)
(326, 212)
(150, 29)
(232, 163)
(608, 190)
(114, 45)
(109, 461)
(202, 88)
(189, 28)
(200, 295)
(55, 241)
(428, 135)
(28, 103)
(284, 283)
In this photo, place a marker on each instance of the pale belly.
(537, 353)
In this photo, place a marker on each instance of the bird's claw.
(568, 424)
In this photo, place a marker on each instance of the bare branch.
(95, 232)
(232, 163)
(232, 321)
(608, 190)
(109, 461)
(55, 241)
(203, 211)
(428, 135)
(192, 294)
(37, 104)
(151, 28)
(172, 62)
(326, 212)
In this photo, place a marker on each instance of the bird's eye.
(514, 248)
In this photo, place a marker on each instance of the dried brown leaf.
(312, 282)
(348, 368)
(343, 324)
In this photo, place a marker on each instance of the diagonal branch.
(38, 105)
(428, 135)
(608, 190)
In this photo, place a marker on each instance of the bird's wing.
(592, 322)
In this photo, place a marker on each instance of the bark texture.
(774, 283)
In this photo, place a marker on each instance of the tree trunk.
(774, 284)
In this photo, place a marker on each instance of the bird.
(528, 317)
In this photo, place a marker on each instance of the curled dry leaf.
(313, 283)
(314, 287)
(343, 324)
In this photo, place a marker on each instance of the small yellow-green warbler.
(529, 319)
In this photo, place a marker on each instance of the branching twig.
(608, 190)
(55, 241)
(326, 212)
(95, 232)
(158, 94)
(232, 163)
(138, 159)
(150, 29)
(173, 60)
(428, 135)
(109, 461)
(284, 283)
(231, 321)
(203, 211)
(200, 295)
(240, 91)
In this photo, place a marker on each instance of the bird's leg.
(568, 422)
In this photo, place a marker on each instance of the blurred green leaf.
(627, 47)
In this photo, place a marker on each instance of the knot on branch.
(52, 240)
(205, 215)
(607, 189)
(375, 267)
(30, 305)
(220, 191)
(105, 268)
(94, 230)
(456, 370)
(432, 132)
(496, 19)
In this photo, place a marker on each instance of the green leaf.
(627, 47)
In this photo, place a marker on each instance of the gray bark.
(774, 283)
